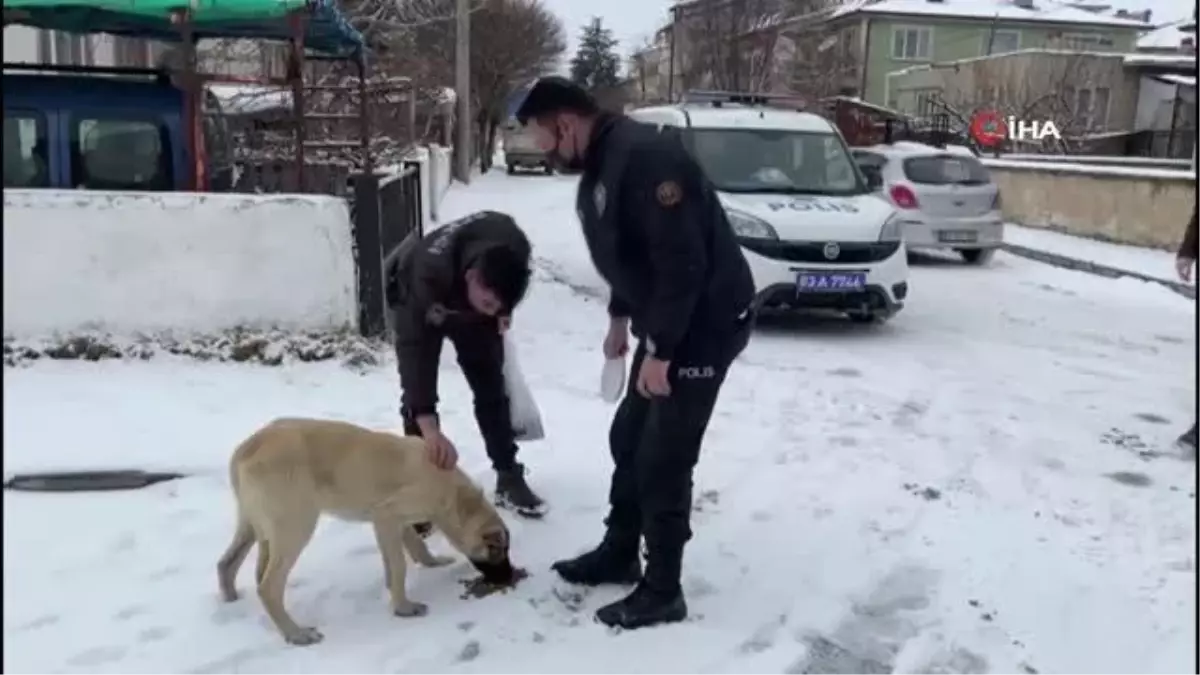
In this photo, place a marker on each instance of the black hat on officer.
(554, 94)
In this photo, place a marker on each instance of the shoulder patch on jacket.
(668, 193)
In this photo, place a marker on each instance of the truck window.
(120, 154)
(26, 154)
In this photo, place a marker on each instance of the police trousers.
(655, 445)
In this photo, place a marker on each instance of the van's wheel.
(512, 168)
(977, 256)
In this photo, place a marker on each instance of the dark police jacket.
(658, 235)
(427, 295)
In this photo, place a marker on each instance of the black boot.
(645, 606)
(512, 492)
(657, 599)
(614, 561)
(1187, 440)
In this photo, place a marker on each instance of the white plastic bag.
(526, 418)
(612, 379)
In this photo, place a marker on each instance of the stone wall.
(1138, 206)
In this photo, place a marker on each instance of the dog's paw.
(304, 637)
(439, 561)
(409, 609)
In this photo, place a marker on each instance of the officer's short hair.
(505, 272)
(555, 94)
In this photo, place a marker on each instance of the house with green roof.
(887, 36)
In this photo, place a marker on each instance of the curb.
(87, 481)
(1186, 290)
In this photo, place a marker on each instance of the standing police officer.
(659, 237)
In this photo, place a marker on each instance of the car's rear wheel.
(977, 256)
(512, 168)
(549, 170)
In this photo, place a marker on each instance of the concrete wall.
(146, 263)
(435, 178)
(1142, 207)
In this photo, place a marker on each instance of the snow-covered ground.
(983, 484)
(1146, 261)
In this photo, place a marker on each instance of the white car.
(814, 233)
(946, 195)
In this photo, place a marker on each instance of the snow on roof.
(1044, 11)
(753, 117)
(1183, 80)
(1183, 60)
(1166, 36)
(911, 148)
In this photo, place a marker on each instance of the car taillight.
(903, 197)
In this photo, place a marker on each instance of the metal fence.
(385, 209)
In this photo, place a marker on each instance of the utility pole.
(992, 35)
(462, 89)
(671, 65)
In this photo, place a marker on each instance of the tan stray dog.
(291, 471)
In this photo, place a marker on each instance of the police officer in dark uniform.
(659, 237)
(461, 282)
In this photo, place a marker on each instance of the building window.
(26, 155)
(1002, 42)
(1091, 108)
(1086, 41)
(912, 44)
(120, 154)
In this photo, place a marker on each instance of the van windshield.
(776, 161)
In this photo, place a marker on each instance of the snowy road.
(982, 485)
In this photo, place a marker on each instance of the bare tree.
(512, 42)
(1063, 88)
(826, 56)
(728, 44)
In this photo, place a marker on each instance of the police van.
(815, 234)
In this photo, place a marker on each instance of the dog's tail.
(243, 535)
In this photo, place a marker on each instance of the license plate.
(958, 236)
(817, 282)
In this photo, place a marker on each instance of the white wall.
(141, 263)
(1154, 105)
(435, 178)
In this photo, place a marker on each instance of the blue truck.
(113, 129)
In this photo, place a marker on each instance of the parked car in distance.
(521, 150)
(946, 196)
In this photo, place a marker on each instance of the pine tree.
(596, 64)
